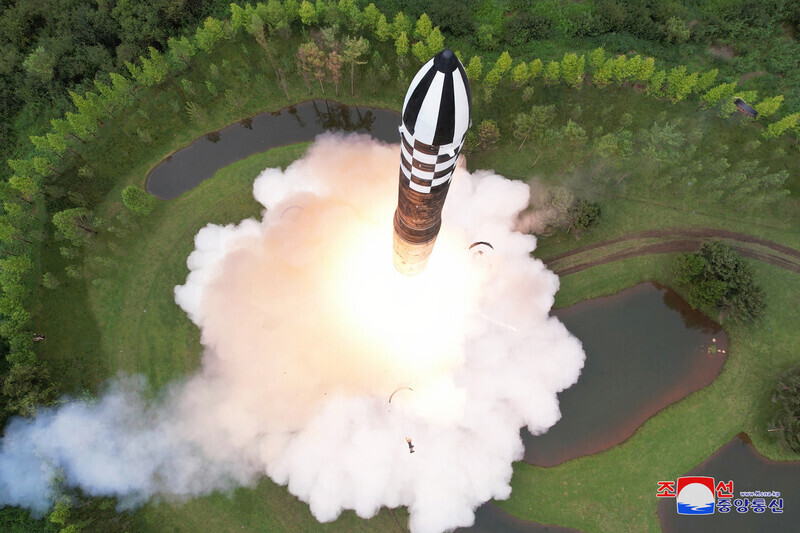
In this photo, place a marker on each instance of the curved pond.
(645, 348)
(188, 167)
(739, 462)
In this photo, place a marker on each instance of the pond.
(645, 348)
(188, 167)
(739, 462)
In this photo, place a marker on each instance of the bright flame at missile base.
(308, 329)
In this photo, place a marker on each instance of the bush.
(718, 277)
(138, 200)
(583, 215)
(49, 281)
(26, 387)
(488, 134)
(470, 142)
(452, 16)
(787, 420)
(523, 27)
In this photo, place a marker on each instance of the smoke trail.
(549, 207)
(307, 330)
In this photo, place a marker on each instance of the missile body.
(436, 115)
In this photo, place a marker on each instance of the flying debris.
(436, 116)
(481, 246)
(290, 209)
(408, 439)
(398, 390)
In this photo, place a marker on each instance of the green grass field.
(124, 319)
(266, 507)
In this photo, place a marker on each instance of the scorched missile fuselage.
(436, 115)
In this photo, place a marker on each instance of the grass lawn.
(621, 216)
(266, 507)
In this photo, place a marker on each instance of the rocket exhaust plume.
(435, 115)
(308, 332)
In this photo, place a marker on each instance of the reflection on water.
(336, 116)
(189, 166)
(739, 462)
(691, 317)
(645, 348)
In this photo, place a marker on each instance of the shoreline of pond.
(186, 167)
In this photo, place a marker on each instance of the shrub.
(27, 386)
(718, 277)
(583, 215)
(787, 420)
(488, 134)
(138, 200)
(49, 281)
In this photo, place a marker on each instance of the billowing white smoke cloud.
(307, 330)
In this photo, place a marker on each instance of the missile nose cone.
(445, 61)
(437, 105)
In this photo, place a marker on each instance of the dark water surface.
(645, 348)
(188, 167)
(739, 462)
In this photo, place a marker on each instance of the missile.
(436, 116)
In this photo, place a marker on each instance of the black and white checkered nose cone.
(437, 106)
(436, 116)
(435, 120)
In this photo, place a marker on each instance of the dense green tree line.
(761, 36)
(52, 46)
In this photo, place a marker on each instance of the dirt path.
(675, 240)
